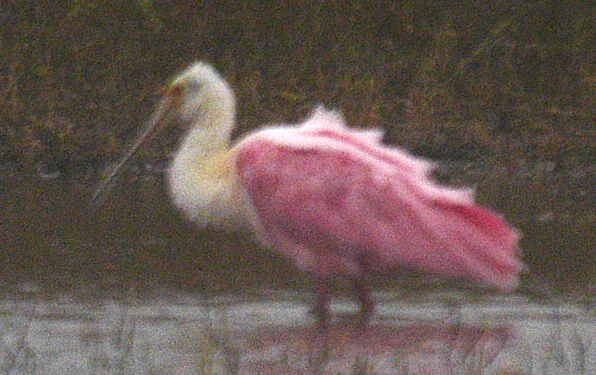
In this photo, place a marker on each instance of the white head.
(204, 102)
(202, 96)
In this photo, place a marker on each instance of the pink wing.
(338, 202)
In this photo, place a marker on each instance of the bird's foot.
(367, 304)
(322, 315)
(321, 308)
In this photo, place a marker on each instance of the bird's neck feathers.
(211, 126)
(202, 177)
(205, 142)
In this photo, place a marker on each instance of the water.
(133, 288)
(50, 233)
(179, 333)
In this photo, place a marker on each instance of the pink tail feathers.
(484, 244)
(450, 236)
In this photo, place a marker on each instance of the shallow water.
(133, 288)
(179, 333)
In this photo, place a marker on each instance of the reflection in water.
(377, 349)
(493, 336)
(181, 334)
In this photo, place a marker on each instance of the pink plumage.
(339, 203)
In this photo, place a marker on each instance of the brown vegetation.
(447, 79)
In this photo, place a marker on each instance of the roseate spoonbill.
(334, 200)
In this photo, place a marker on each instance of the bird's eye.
(176, 90)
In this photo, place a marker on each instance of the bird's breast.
(208, 191)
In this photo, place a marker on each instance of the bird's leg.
(364, 295)
(323, 295)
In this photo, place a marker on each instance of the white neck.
(208, 139)
(202, 178)
(212, 118)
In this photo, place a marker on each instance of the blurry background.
(504, 95)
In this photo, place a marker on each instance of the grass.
(448, 82)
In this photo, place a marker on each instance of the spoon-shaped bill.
(104, 187)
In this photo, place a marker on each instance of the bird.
(333, 199)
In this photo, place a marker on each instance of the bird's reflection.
(343, 348)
